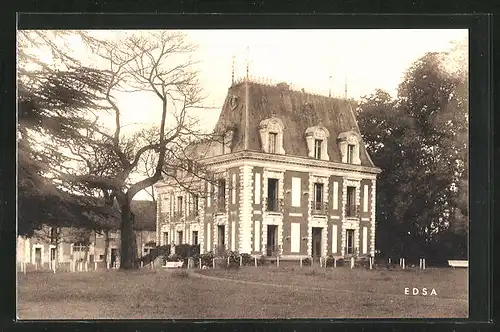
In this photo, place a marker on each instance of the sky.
(365, 60)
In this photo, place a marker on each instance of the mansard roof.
(298, 111)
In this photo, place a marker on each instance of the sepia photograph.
(242, 174)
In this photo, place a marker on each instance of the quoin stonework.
(292, 178)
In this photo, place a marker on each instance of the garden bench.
(173, 265)
(458, 263)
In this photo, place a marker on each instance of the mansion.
(292, 178)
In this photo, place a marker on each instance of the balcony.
(352, 211)
(319, 207)
(274, 205)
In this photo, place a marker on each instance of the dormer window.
(350, 153)
(317, 148)
(271, 135)
(317, 142)
(349, 147)
(273, 139)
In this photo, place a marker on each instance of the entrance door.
(38, 256)
(221, 246)
(271, 240)
(316, 242)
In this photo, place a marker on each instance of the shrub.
(187, 250)
(330, 261)
(247, 260)
(306, 261)
(207, 259)
(234, 259)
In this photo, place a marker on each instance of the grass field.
(245, 293)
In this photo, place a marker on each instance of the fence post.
(423, 262)
(334, 262)
(213, 262)
(300, 261)
(142, 263)
(320, 262)
(352, 262)
(95, 266)
(371, 263)
(403, 263)
(241, 261)
(255, 259)
(200, 263)
(277, 261)
(54, 266)
(227, 261)
(86, 266)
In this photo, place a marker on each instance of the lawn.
(245, 293)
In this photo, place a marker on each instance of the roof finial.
(330, 86)
(232, 72)
(345, 91)
(247, 59)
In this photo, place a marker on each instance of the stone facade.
(315, 149)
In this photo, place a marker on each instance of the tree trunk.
(127, 252)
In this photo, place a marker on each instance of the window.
(318, 196)
(317, 142)
(165, 238)
(233, 189)
(296, 182)
(221, 195)
(272, 195)
(195, 238)
(179, 237)
(295, 237)
(179, 204)
(335, 195)
(273, 137)
(349, 144)
(257, 189)
(365, 240)
(350, 241)
(365, 198)
(350, 153)
(317, 148)
(351, 202)
(194, 199)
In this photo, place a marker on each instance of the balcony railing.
(352, 211)
(319, 207)
(272, 250)
(274, 205)
(351, 251)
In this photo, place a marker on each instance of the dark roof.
(298, 111)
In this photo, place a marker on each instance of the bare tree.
(157, 63)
